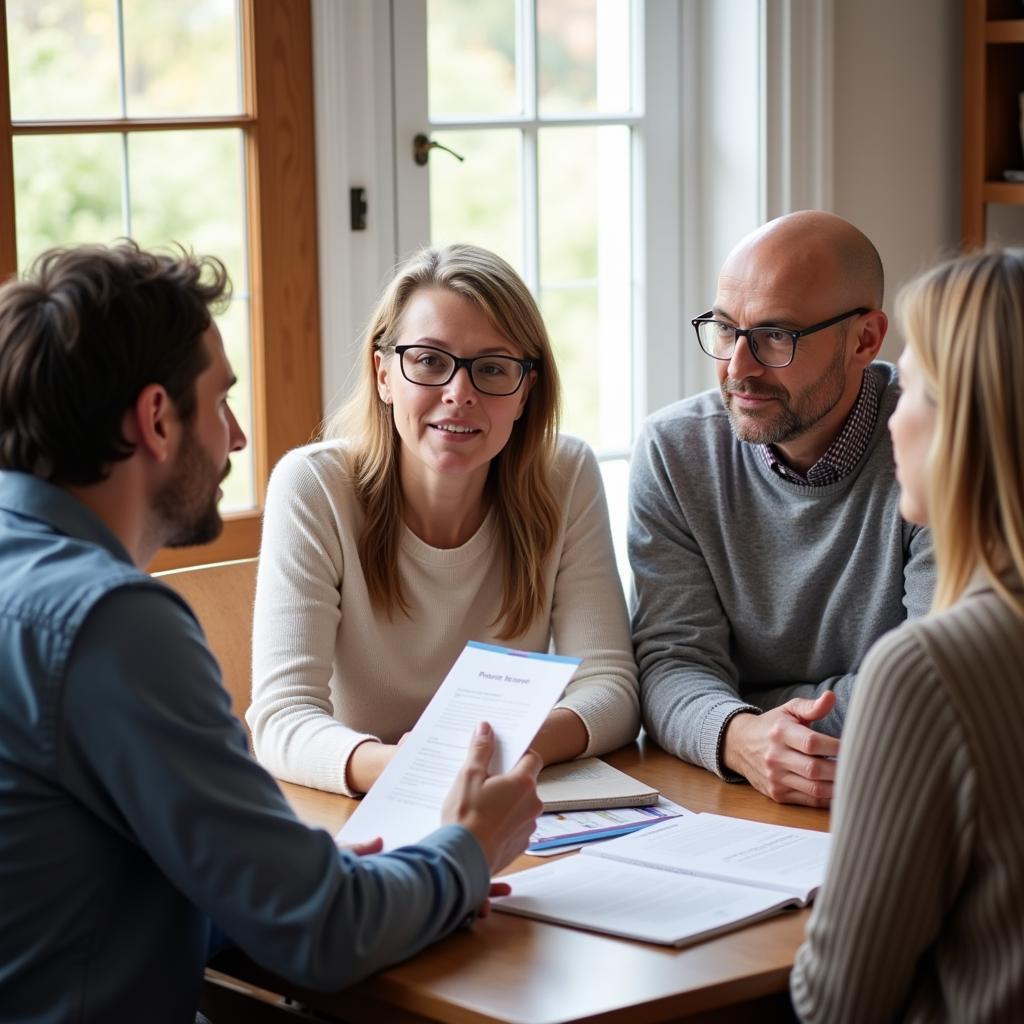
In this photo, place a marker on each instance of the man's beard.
(187, 502)
(790, 418)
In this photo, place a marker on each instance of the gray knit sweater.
(750, 589)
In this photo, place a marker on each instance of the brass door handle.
(422, 145)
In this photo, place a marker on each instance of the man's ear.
(150, 424)
(870, 335)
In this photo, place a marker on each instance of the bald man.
(767, 547)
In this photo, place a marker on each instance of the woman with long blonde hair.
(442, 506)
(920, 918)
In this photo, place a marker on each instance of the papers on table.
(512, 690)
(634, 902)
(569, 830)
(676, 882)
(788, 860)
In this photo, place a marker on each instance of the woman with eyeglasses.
(920, 918)
(441, 507)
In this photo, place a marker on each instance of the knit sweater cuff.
(608, 718)
(712, 737)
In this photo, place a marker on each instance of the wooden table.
(516, 971)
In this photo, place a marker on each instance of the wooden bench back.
(222, 597)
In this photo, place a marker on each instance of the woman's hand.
(368, 760)
(562, 737)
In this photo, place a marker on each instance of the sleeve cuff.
(712, 738)
(608, 719)
(343, 781)
(461, 846)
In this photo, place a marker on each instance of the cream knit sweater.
(330, 671)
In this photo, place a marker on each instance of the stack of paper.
(590, 783)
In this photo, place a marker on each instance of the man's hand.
(499, 810)
(366, 849)
(780, 756)
(497, 889)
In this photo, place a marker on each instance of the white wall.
(897, 131)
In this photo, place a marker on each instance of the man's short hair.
(80, 337)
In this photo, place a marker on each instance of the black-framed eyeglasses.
(491, 375)
(770, 346)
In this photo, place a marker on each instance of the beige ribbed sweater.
(922, 914)
(329, 671)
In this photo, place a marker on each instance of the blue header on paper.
(536, 655)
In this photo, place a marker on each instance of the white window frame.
(355, 52)
(698, 125)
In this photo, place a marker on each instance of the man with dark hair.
(767, 547)
(132, 819)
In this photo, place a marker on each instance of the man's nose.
(742, 362)
(237, 438)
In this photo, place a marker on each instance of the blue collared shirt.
(131, 814)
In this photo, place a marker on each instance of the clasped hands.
(781, 756)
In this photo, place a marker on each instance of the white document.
(512, 690)
(788, 860)
(635, 902)
(678, 881)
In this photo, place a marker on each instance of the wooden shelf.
(1009, 192)
(1000, 10)
(1005, 31)
(993, 79)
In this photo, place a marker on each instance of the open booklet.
(677, 882)
(512, 690)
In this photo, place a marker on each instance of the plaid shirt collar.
(846, 449)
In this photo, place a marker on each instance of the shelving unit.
(993, 80)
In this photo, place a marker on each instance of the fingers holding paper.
(500, 810)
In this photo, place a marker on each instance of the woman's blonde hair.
(964, 321)
(519, 477)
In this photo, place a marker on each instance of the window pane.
(239, 492)
(583, 50)
(478, 200)
(67, 190)
(181, 58)
(189, 187)
(616, 488)
(471, 57)
(585, 202)
(571, 317)
(63, 59)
